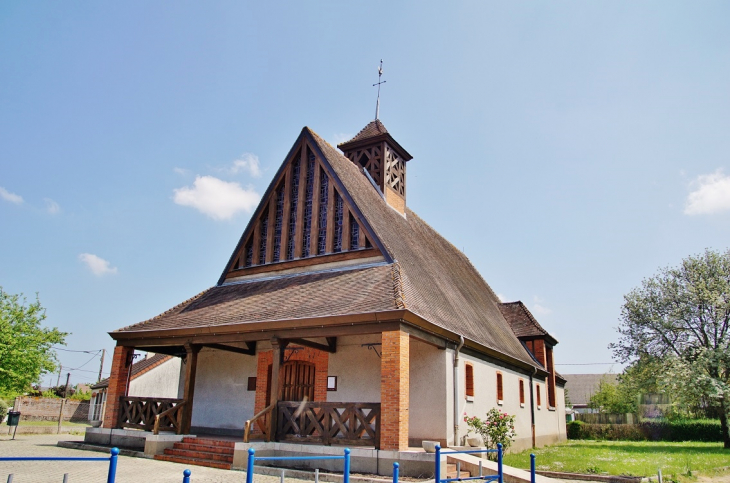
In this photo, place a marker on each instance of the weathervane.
(380, 74)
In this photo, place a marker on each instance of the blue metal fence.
(252, 458)
(112, 459)
(499, 477)
(111, 476)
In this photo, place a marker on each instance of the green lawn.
(677, 460)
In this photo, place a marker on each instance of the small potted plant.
(477, 427)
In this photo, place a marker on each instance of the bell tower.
(383, 159)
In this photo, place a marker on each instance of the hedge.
(707, 430)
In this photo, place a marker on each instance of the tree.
(681, 316)
(25, 346)
(613, 398)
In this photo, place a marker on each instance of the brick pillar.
(121, 365)
(394, 389)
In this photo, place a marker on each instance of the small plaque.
(331, 383)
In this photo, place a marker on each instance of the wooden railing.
(263, 421)
(142, 412)
(328, 423)
(170, 420)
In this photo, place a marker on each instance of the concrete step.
(451, 472)
(204, 448)
(184, 453)
(194, 461)
(210, 442)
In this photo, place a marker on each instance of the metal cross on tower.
(380, 74)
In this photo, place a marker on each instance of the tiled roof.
(374, 128)
(138, 368)
(522, 321)
(581, 387)
(430, 277)
(335, 292)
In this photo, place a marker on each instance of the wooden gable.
(305, 218)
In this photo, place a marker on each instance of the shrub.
(3, 409)
(575, 430)
(706, 430)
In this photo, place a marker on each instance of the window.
(251, 384)
(500, 393)
(537, 392)
(522, 393)
(469, 380)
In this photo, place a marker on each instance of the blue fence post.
(249, 466)
(186, 476)
(395, 472)
(112, 466)
(499, 462)
(532, 468)
(346, 475)
(437, 466)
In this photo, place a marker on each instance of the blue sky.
(569, 148)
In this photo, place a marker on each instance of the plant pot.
(474, 441)
(429, 446)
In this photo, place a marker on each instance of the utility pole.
(58, 380)
(101, 366)
(65, 391)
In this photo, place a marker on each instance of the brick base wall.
(394, 390)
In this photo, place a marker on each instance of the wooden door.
(297, 381)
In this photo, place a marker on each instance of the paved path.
(129, 470)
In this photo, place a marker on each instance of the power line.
(82, 365)
(69, 350)
(589, 364)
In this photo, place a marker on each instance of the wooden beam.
(330, 235)
(249, 351)
(331, 345)
(286, 214)
(256, 242)
(299, 228)
(191, 366)
(314, 226)
(271, 229)
(345, 226)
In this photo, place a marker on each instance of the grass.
(677, 460)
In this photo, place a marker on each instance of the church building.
(342, 317)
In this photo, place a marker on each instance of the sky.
(570, 149)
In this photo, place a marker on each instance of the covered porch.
(349, 385)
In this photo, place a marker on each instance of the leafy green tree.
(613, 398)
(681, 316)
(25, 345)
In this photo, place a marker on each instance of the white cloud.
(538, 307)
(247, 162)
(51, 206)
(216, 198)
(500, 297)
(11, 197)
(711, 194)
(181, 171)
(97, 265)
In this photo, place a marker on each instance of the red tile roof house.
(343, 303)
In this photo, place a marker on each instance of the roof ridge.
(400, 295)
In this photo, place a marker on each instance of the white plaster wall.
(221, 397)
(428, 400)
(160, 381)
(485, 396)
(357, 369)
(549, 422)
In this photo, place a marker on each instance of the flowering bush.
(497, 427)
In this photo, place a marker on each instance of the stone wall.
(47, 409)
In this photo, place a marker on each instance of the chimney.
(375, 150)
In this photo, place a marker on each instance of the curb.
(580, 476)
